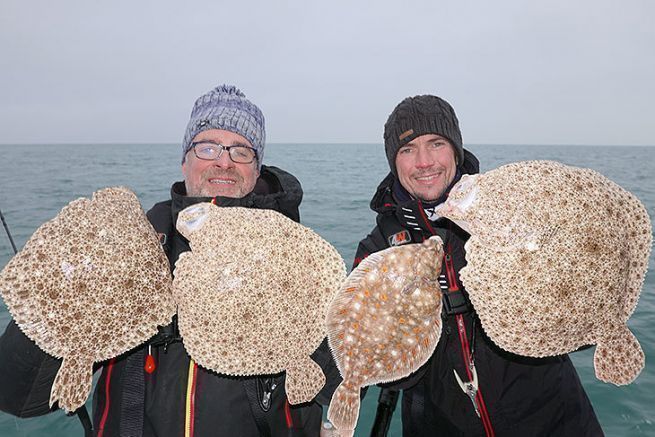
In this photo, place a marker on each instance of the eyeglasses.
(210, 151)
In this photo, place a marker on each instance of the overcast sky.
(517, 72)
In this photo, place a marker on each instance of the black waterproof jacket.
(517, 396)
(129, 401)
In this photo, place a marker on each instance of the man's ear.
(184, 167)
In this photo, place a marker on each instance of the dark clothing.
(128, 400)
(521, 396)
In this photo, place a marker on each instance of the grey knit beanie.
(421, 115)
(226, 107)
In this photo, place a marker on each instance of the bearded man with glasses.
(208, 172)
(222, 154)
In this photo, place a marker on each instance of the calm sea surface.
(338, 180)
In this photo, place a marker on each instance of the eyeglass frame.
(222, 149)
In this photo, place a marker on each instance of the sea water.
(36, 181)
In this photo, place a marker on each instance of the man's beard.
(207, 189)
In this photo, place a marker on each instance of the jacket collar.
(275, 189)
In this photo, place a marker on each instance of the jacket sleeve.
(374, 242)
(26, 375)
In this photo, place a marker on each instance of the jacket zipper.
(463, 339)
(466, 348)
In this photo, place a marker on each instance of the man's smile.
(429, 178)
(221, 181)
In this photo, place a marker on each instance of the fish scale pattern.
(384, 323)
(556, 260)
(89, 285)
(253, 294)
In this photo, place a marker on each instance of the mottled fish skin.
(253, 294)
(89, 285)
(556, 260)
(385, 322)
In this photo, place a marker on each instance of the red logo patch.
(402, 237)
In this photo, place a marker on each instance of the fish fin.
(344, 408)
(353, 281)
(304, 380)
(343, 298)
(619, 359)
(72, 384)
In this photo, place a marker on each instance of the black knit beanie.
(421, 115)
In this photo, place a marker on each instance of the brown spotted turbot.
(556, 260)
(89, 284)
(253, 294)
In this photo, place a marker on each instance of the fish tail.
(344, 408)
(304, 380)
(72, 384)
(619, 359)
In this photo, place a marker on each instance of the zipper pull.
(267, 394)
(150, 365)
(266, 400)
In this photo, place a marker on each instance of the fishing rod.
(81, 412)
(11, 240)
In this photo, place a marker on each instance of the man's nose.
(224, 160)
(424, 158)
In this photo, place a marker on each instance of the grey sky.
(519, 72)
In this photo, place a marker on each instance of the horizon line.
(328, 143)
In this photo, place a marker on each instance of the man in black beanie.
(469, 387)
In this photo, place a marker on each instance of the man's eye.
(240, 152)
(405, 150)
